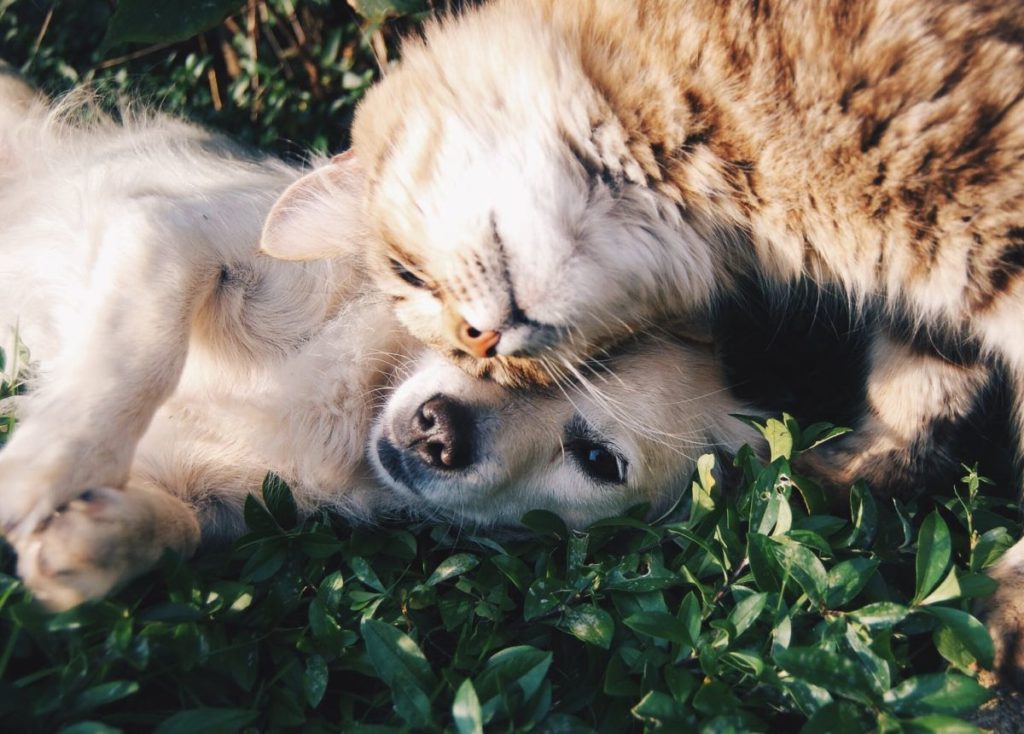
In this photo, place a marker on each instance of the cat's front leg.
(101, 539)
(912, 395)
(1003, 613)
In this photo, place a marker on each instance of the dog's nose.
(479, 344)
(441, 433)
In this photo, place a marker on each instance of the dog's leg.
(120, 360)
(101, 539)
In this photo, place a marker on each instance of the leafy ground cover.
(769, 608)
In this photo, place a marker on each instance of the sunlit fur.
(172, 365)
(568, 173)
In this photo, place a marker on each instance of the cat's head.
(472, 451)
(505, 213)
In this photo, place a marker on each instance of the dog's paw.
(31, 490)
(98, 541)
(1003, 614)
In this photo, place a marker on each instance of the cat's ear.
(318, 216)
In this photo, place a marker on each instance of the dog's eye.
(598, 461)
(405, 274)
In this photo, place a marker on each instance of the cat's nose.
(480, 344)
(440, 434)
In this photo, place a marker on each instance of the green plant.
(759, 612)
(281, 74)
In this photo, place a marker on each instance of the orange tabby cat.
(543, 178)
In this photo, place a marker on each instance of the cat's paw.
(99, 540)
(1003, 614)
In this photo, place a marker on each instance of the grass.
(765, 609)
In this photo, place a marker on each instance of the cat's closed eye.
(407, 275)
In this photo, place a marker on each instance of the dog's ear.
(318, 216)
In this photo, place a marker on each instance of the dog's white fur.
(173, 365)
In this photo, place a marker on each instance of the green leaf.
(514, 570)
(830, 670)
(522, 665)
(971, 633)
(314, 680)
(661, 625)
(659, 708)
(814, 497)
(395, 655)
(864, 516)
(938, 724)
(702, 489)
(589, 624)
(991, 546)
(859, 640)
(804, 567)
(745, 662)
(818, 433)
(846, 579)
(543, 522)
(411, 700)
(937, 693)
(258, 518)
(365, 573)
(952, 648)
(681, 683)
(746, 612)
(880, 614)
(319, 544)
(933, 554)
(270, 555)
(690, 616)
(207, 720)
(715, 698)
(838, 717)
(543, 596)
(780, 440)
(88, 727)
(974, 585)
(763, 564)
(948, 589)
(140, 21)
(377, 11)
(103, 694)
(466, 710)
(279, 500)
(452, 566)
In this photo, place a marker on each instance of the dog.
(172, 366)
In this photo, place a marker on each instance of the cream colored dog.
(172, 366)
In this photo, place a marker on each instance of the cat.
(172, 367)
(543, 178)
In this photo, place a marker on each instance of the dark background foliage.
(280, 74)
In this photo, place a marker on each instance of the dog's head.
(470, 450)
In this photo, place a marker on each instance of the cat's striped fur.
(543, 178)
